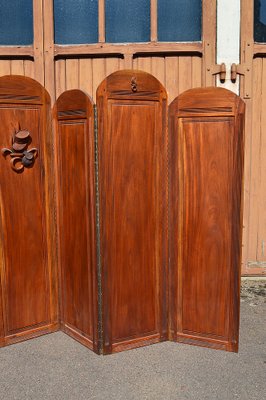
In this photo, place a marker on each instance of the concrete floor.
(57, 367)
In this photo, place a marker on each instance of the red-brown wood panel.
(28, 265)
(206, 158)
(2, 330)
(74, 120)
(133, 209)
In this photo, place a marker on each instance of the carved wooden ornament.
(21, 157)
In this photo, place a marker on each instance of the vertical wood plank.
(85, 75)
(209, 39)
(254, 157)
(247, 177)
(29, 68)
(158, 69)
(154, 33)
(144, 64)
(5, 67)
(111, 65)
(101, 20)
(128, 61)
(98, 71)
(261, 245)
(135, 63)
(17, 67)
(185, 72)
(49, 63)
(38, 42)
(60, 73)
(121, 62)
(196, 72)
(72, 74)
(171, 77)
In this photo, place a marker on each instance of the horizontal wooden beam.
(259, 48)
(14, 51)
(132, 48)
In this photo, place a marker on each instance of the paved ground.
(56, 367)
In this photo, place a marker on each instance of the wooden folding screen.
(74, 118)
(133, 209)
(206, 164)
(107, 193)
(27, 242)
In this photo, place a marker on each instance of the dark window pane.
(16, 22)
(76, 21)
(179, 20)
(127, 21)
(260, 21)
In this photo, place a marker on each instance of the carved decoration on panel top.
(19, 153)
(134, 86)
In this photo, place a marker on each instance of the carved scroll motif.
(21, 157)
(134, 86)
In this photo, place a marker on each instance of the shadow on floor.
(56, 367)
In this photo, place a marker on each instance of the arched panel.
(132, 107)
(206, 159)
(74, 123)
(27, 242)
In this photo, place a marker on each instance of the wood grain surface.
(206, 159)
(48, 215)
(74, 129)
(133, 206)
(28, 262)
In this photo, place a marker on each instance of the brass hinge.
(98, 243)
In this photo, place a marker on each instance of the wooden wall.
(24, 67)
(177, 74)
(253, 90)
(255, 168)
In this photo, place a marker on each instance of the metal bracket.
(244, 69)
(210, 68)
(218, 69)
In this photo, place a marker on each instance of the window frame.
(43, 36)
(103, 47)
(34, 51)
(44, 51)
(258, 47)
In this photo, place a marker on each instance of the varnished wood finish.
(206, 159)
(28, 238)
(133, 209)
(74, 120)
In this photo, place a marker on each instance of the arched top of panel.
(22, 90)
(207, 101)
(73, 104)
(132, 84)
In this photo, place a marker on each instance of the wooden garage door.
(253, 90)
